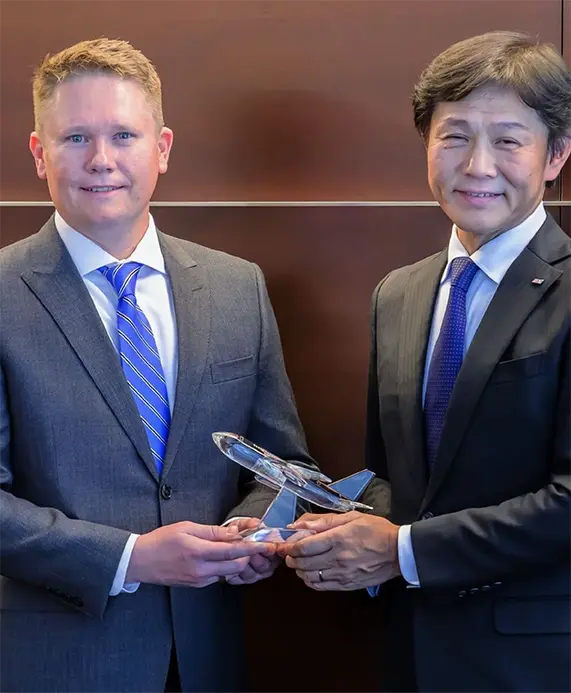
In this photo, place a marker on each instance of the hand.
(260, 566)
(187, 554)
(352, 551)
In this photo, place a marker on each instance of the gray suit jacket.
(77, 476)
(492, 523)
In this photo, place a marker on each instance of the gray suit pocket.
(534, 615)
(524, 367)
(232, 370)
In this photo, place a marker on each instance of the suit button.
(474, 590)
(462, 593)
(485, 588)
(497, 583)
(166, 491)
(427, 515)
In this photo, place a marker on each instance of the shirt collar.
(88, 256)
(496, 257)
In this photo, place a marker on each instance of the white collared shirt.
(494, 260)
(152, 291)
(154, 297)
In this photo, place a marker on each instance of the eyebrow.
(117, 127)
(507, 124)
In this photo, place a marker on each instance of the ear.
(37, 149)
(557, 159)
(165, 144)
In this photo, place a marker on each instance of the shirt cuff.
(119, 585)
(406, 557)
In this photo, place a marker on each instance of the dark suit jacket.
(77, 476)
(491, 526)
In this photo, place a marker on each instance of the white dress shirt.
(154, 296)
(493, 259)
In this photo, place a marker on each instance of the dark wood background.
(285, 100)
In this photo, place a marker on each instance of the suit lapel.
(57, 284)
(513, 301)
(416, 320)
(190, 295)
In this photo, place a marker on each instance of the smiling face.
(488, 162)
(101, 151)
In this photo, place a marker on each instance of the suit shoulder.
(213, 259)
(15, 257)
(398, 278)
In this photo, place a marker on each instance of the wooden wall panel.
(269, 99)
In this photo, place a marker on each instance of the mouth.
(478, 195)
(479, 199)
(102, 188)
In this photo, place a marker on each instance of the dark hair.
(535, 71)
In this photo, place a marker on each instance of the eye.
(456, 137)
(507, 143)
(124, 136)
(76, 139)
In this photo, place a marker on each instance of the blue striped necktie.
(140, 359)
(448, 354)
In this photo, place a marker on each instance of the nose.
(481, 161)
(100, 158)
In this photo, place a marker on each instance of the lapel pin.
(537, 281)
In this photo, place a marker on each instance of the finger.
(325, 575)
(320, 562)
(234, 580)
(246, 577)
(260, 563)
(210, 569)
(321, 523)
(225, 551)
(206, 582)
(210, 532)
(244, 523)
(327, 586)
(309, 546)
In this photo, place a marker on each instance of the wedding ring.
(320, 573)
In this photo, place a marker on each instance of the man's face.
(488, 161)
(101, 151)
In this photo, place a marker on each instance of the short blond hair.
(101, 55)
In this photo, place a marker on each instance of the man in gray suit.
(469, 416)
(122, 350)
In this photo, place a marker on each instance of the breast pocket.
(524, 367)
(232, 370)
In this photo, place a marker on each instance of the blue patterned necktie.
(448, 354)
(140, 359)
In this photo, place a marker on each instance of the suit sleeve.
(73, 559)
(274, 422)
(519, 536)
(378, 493)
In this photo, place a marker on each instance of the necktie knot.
(123, 277)
(462, 271)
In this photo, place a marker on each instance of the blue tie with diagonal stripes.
(140, 358)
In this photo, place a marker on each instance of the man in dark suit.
(122, 350)
(469, 423)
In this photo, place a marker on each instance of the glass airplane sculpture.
(292, 480)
